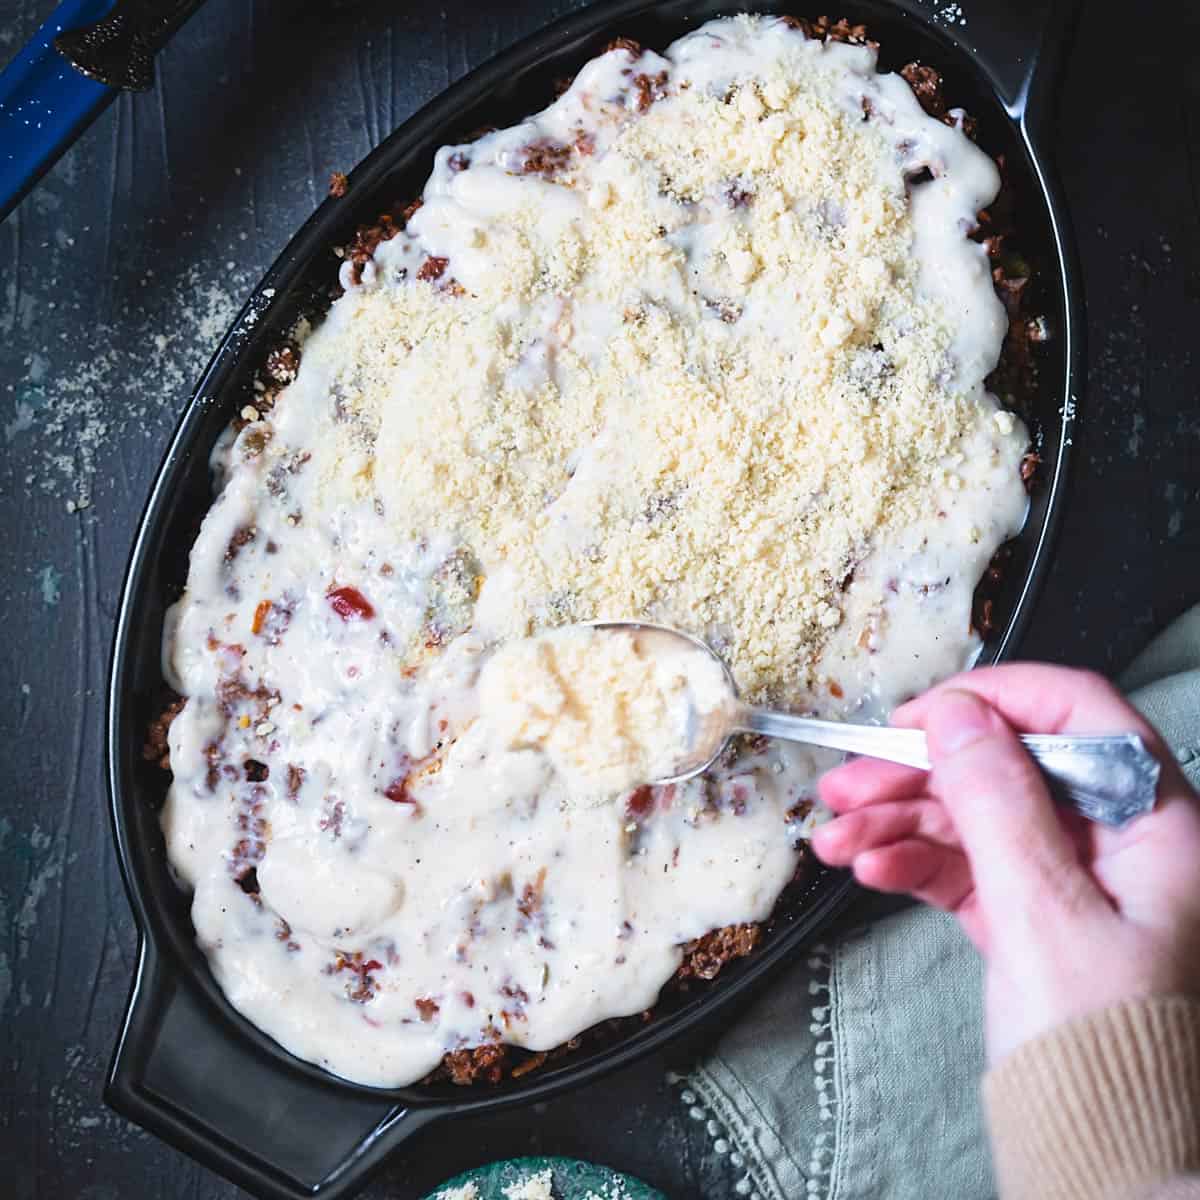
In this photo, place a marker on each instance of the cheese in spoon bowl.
(611, 708)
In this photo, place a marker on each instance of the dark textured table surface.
(118, 274)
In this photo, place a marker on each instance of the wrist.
(1036, 981)
(1104, 1105)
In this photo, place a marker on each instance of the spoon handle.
(1109, 778)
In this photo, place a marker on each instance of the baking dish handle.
(1019, 45)
(1023, 47)
(1038, 97)
(277, 1132)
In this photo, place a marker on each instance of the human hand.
(1069, 916)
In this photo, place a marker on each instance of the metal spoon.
(1109, 778)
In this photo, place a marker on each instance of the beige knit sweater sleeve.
(1105, 1107)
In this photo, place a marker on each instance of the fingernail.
(956, 720)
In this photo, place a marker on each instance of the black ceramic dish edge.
(189, 1068)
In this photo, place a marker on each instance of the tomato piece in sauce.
(350, 604)
(397, 792)
(260, 615)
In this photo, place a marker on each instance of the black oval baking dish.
(187, 1066)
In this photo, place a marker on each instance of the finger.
(1039, 698)
(938, 875)
(869, 781)
(1148, 870)
(839, 841)
(1035, 697)
(1020, 855)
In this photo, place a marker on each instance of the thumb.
(1021, 856)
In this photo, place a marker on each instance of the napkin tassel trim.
(723, 1140)
(819, 1173)
(820, 1162)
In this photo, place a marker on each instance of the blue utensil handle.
(45, 104)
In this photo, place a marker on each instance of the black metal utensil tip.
(119, 50)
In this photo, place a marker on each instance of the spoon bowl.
(708, 733)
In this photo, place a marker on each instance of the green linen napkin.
(856, 1075)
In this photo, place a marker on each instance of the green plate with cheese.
(544, 1179)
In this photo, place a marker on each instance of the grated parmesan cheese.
(535, 1187)
(468, 1191)
(696, 376)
